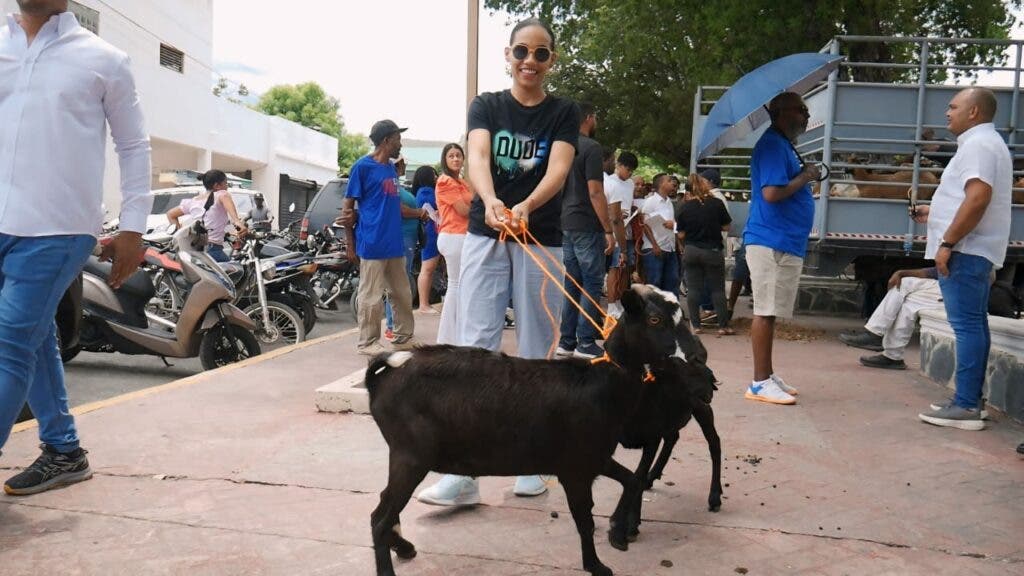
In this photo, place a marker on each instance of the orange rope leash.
(610, 322)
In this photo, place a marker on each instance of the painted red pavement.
(238, 474)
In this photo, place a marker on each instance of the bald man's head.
(985, 100)
(970, 107)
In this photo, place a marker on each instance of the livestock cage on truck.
(885, 145)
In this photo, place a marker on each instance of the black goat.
(680, 390)
(478, 413)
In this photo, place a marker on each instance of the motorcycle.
(335, 277)
(208, 325)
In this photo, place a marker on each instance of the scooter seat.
(234, 270)
(138, 286)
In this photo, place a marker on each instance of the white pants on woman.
(450, 246)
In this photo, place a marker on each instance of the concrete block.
(346, 394)
(826, 296)
(1004, 376)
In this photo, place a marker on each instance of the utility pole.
(472, 51)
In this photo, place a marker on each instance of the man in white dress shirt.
(968, 232)
(60, 86)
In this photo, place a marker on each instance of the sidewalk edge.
(190, 380)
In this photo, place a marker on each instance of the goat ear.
(632, 301)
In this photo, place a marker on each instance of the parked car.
(325, 207)
(167, 198)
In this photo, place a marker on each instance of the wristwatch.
(945, 244)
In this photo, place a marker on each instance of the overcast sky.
(398, 59)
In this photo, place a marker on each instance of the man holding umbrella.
(781, 216)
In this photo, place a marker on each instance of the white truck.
(879, 139)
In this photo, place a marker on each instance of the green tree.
(640, 61)
(308, 104)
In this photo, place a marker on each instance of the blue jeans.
(34, 273)
(583, 255)
(965, 294)
(216, 251)
(409, 245)
(661, 271)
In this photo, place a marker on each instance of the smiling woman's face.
(529, 71)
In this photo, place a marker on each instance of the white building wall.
(189, 126)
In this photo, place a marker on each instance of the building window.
(87, 17)
(172, 58)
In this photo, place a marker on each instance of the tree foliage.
(308, 104)
(640, 61)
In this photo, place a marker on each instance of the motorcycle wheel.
(166, 302)
(216, 349)
(302, 305)
(285, 327)
(66, 354)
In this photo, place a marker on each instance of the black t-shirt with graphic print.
(521, 142)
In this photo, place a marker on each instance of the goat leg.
(402, 481)
(670, 439)
(705, 416)
(579, 493)
(640, 475)
(620, 519)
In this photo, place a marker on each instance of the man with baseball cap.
(373, 183)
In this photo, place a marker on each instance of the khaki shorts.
(775, 277)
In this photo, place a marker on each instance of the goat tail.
(383, 362)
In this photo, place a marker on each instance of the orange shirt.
(449, 191)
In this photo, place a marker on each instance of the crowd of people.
(535, 175)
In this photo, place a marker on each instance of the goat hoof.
(404, 550)
(618, 541)
(714, 504)
(599, 570)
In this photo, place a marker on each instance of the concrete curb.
(346, 394)
(192, 380)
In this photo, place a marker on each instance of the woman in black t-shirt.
(521, 144)
(700, 221)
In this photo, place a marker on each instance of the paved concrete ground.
(233, 472)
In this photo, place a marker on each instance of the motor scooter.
(208, 326)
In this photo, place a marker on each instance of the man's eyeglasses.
(540, 54)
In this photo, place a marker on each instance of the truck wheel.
(216, 349)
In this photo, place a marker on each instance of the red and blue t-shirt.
(379, 228)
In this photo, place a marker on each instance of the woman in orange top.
(453, 199)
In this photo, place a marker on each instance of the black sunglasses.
(520, 52)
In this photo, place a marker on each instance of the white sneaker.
(529, 486)
(768, 391)
(563, 353)
(782, 384)
(452, 490)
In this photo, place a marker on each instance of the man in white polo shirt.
(968, 231)
(60, 87)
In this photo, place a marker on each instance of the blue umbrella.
(741, 110)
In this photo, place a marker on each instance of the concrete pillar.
(204, 160)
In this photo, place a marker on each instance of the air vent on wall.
(172, 58)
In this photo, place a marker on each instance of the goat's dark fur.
(477, 413)
(680, 390)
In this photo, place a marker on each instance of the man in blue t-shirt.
(373, 183)
(775, 238)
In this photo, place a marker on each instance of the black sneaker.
(51, 470)
(1020, 448)
(882, 361)
(865, 340)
